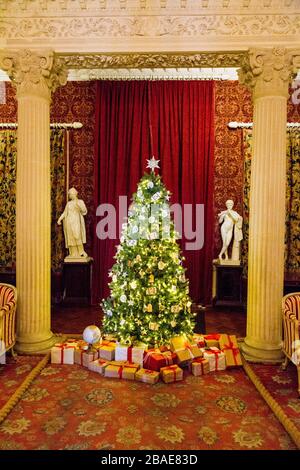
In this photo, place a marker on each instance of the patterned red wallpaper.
(232, 103)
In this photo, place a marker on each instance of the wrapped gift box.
(98, 365)
(184, 349)
(199, 340)
(229, 346)
(110, 338)
(199, 366)
(121, 370)
(171, 374)
(147, 376)
(107, 350)
(133, 354)
(155, 359)
(212, 341)
(85, 356)
(216, 359)
(63, 353)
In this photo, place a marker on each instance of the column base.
(36, 347)
(261, 355)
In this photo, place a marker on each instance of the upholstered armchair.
(8, 306)
(291, 331)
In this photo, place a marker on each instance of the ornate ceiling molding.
(153, 60)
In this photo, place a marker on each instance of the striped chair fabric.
(291, 330)
(8, 305)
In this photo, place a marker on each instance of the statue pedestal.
(227, 284)
(77, 282)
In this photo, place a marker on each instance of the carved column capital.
(33, 72)
(268, 72)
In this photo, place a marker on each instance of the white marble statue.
(232, 224)
(74, 226)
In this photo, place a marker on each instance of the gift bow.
(213, 336)
(62, 347)
(231, 347)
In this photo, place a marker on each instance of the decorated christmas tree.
(149, 299)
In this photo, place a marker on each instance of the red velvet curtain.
(174, 120)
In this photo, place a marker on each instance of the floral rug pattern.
(69, 407)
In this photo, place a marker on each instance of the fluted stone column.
(267, 73)
(35, 75)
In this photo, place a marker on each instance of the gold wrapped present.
(199, 366)
(216, 359)
(229, 346)
(98, 366)
(184, 349)
(147, 376)
(121, 370)
(212, 341)
(171, 374)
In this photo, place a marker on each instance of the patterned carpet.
(69, 407)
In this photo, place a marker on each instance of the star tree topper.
(153, 163)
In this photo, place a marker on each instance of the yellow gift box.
(121, 370)
(107, 350)
(147, 376)
(229, 346)
(171, 374)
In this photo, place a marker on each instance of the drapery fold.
(174, 120)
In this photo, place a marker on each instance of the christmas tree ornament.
(91, 335)
(151, 278)
(161, 265)
(148, 308)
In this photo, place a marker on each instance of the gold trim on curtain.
(292, 232)
(8, 159)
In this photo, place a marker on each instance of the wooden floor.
(75, 319)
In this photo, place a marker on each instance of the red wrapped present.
(155, 359)
(216, 359)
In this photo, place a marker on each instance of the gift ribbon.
(230, 347)
(150, 352)
(172, 368)
(168, 357)
(62, 347)
(201, 361)
(216, 354)
(126, 366)
(212, 337)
